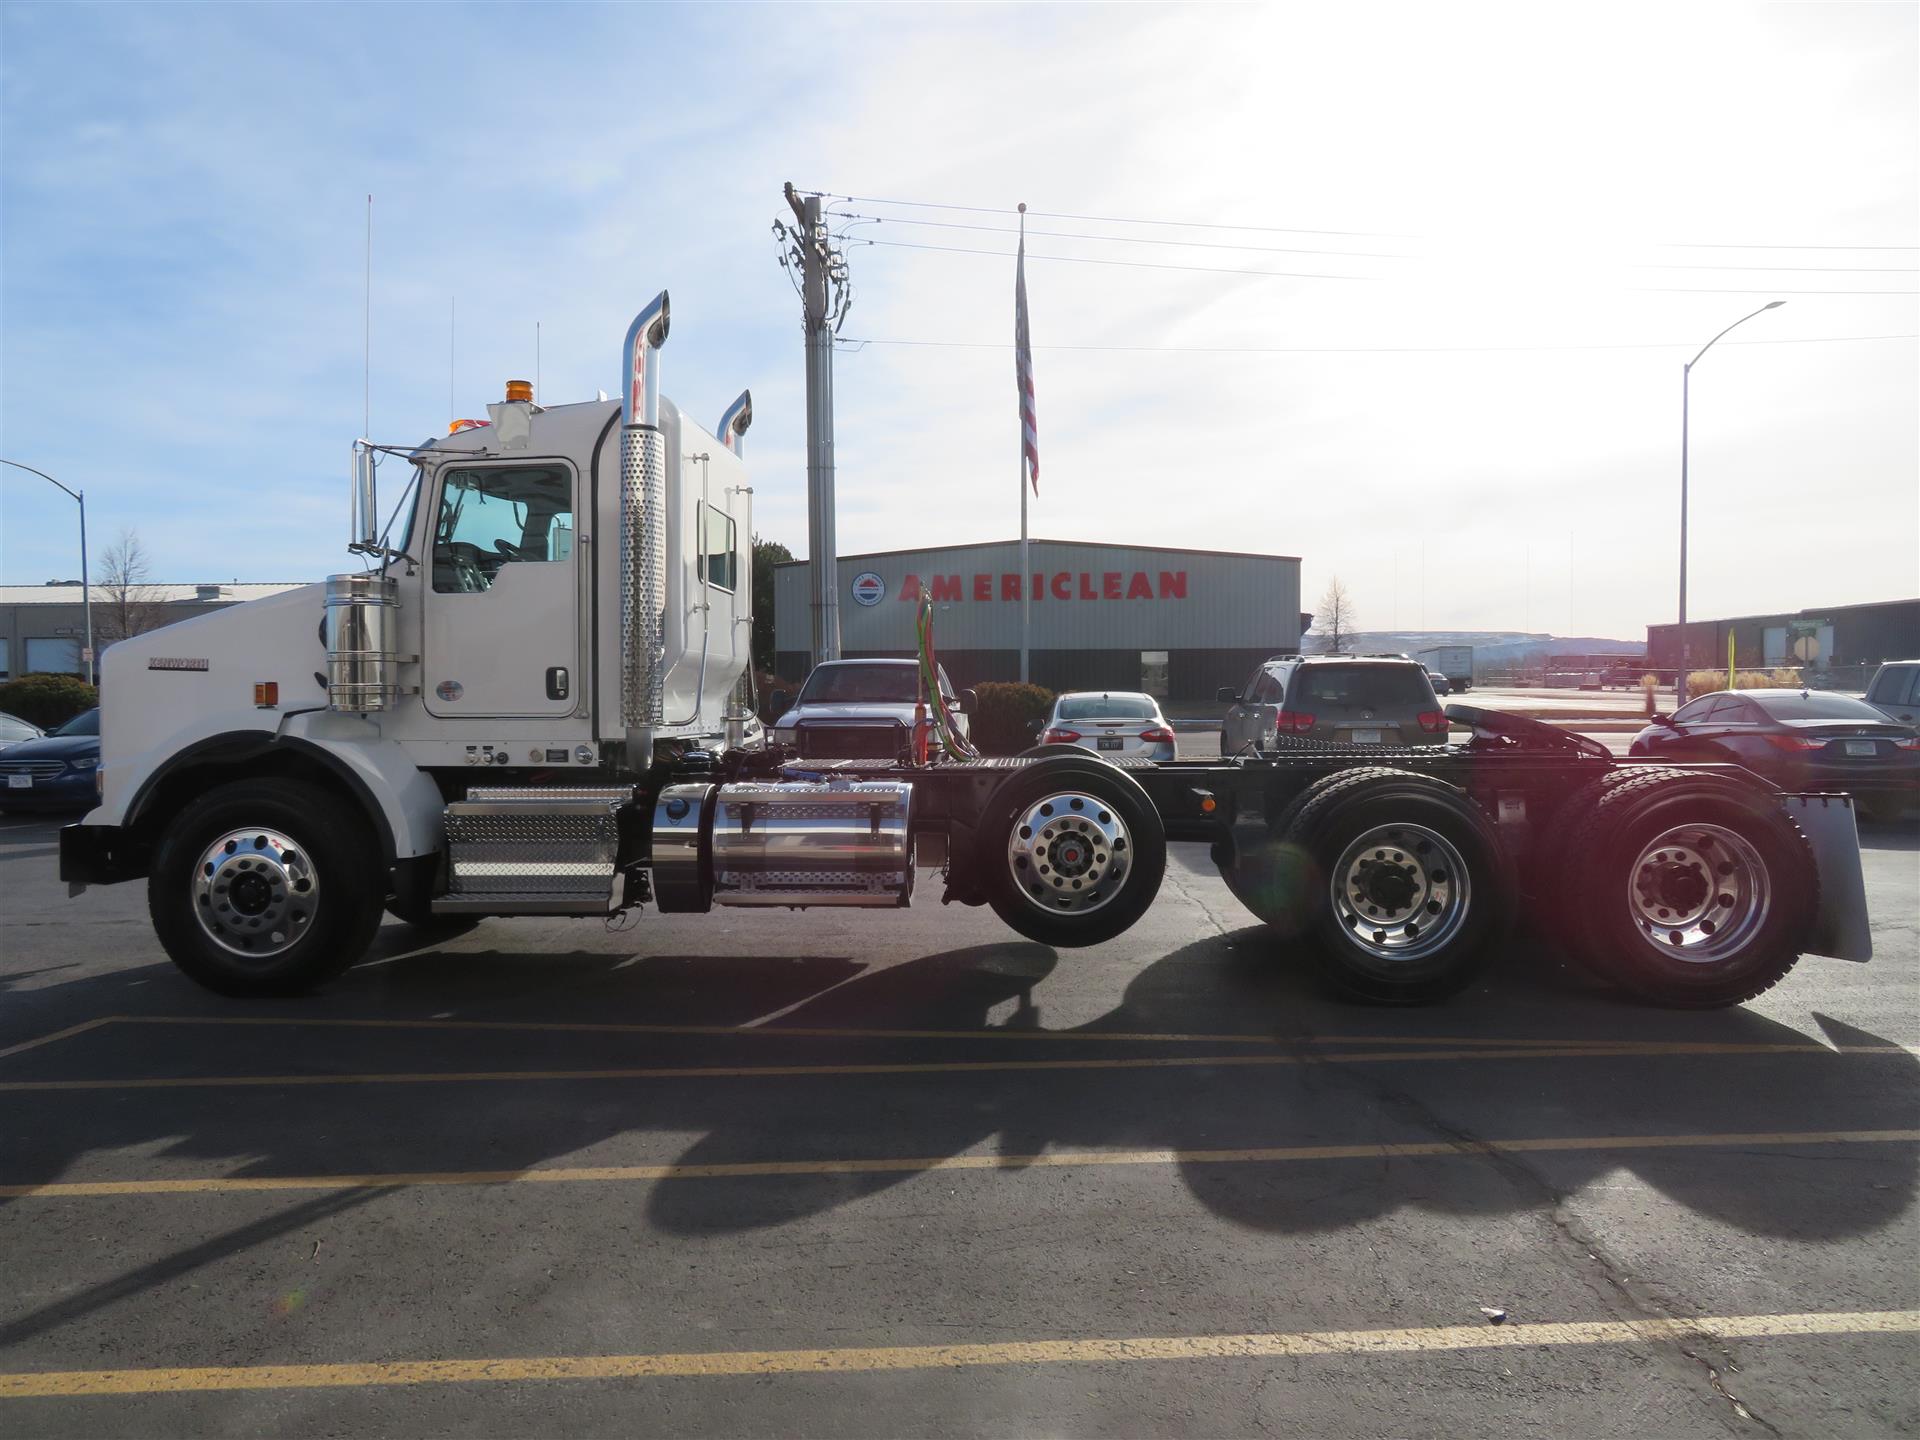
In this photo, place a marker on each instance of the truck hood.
(848, 710)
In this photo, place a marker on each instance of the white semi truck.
(523, 704)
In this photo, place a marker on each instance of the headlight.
(84, 764)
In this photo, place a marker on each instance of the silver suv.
(1340, 699)
(1895, 691)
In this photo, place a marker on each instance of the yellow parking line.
(890, 1165)
(67, 1033)
(1095, 1351)
(778, 1031)
(943, 1067)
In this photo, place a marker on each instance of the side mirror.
(1227, 695)
(1034, 727)
(1660, 717)
(968, 700)
(778, 702)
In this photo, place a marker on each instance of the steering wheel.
(509, 551)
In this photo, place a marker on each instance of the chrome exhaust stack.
(643, 535)
(733, 424)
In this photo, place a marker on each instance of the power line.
(1284, 229)
(1126, 239)
(1112, 219)
(1345, 254)
(1131, 264)
(1310, 275)
(859, 344)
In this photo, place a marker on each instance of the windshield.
(1375, 686)
(87, 723)
(1108, 707)
(841, 684)
(1817, 707)
(12, 729)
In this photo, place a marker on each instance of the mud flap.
(1841, 929)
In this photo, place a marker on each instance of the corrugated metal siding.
(1198, 600)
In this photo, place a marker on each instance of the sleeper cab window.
(719, 542)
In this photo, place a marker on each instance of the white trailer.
(1455, 662)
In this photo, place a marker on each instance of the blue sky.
(182, 209)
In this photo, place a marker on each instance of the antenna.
(536, 360)
(366, 332)
(453, 412)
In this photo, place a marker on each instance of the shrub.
(1002, 722)
(1705, 682)
(47, 700)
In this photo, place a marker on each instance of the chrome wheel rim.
(1400, 892)
(255, 892)
(1069, 853)
(1699, 892)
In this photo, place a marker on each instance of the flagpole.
(1020, 463)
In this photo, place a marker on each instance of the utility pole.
(821, 275)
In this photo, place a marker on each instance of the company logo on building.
(1058, 585)
(868, 588)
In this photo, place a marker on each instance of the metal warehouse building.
(1176, 623)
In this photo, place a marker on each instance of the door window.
(1267, 690)
(497, 516)
(1697, 711)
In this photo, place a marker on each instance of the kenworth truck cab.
(526, 703)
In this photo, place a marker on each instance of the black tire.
(311, 836)
(1416, 919)
(1113, 804)
(1274, 880)
(1756, 898)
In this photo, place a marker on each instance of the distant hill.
(1492, 649)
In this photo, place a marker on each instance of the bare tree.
(1336, 619)
(132, 605)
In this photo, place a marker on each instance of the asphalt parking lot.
(905, 1173)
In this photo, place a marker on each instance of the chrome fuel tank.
(804, 843)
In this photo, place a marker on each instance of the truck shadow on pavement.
(1004, 1086)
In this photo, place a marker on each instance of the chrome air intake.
(643, 536)
(363, 672)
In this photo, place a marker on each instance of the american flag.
(1023, 367)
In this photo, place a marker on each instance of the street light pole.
(1686, 381)
(86, 584)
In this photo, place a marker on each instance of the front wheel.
(265, 887)
(1071, 850)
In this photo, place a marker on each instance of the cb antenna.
(366, 335)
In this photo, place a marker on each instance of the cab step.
(534, 850)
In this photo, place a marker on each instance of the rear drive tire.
(1071, 850)
(1408, 890)
(265, 887)
(1689, 891)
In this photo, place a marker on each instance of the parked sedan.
(54, 772)
(1115, 723)
(13, 730)
(1798, 739)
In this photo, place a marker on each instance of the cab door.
(501, 632)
